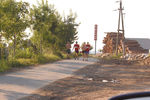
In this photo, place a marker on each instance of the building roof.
(144, 42)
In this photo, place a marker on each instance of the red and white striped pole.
(95, 36)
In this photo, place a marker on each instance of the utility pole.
(120, 30)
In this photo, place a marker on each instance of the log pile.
(145, 61)
(139, 57)
(131, 46)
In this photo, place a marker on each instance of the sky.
(101, 12)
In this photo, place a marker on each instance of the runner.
(87, 50)
(68, 47)
(76, 47)
(83, 50)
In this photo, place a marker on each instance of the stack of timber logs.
(131, 46)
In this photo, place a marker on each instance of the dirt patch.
(99, 81)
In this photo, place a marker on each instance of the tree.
(68, 30)
(14, 20)
(50, 29)
(42, 19)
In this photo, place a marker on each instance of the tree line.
(51, 31)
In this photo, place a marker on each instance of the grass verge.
(6, 65)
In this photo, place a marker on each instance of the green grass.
(114, 56)
(34, 60)
(24, 62)
(41, 59)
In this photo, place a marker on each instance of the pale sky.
(90, 12)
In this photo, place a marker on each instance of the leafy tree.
(14, 20)
(66, 30)
(50, 29)
(42, 19)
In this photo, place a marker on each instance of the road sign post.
(95, 36)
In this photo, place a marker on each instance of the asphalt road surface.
(22, 83)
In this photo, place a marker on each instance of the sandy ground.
(22, 83)
(99, 81)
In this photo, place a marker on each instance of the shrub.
(4, 65)
(26, 53)
(58, 53)
(14, 63)
(26, 62)
(64, 55)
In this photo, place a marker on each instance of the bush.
(14, 63)
(4, 65)
(59, 54)
(41, 59)
(65, 55)
(26, 62)
(26, 53)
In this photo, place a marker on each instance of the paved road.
(19, 84)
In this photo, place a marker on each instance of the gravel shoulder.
(99, 81)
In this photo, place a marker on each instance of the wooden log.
(131, 46)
